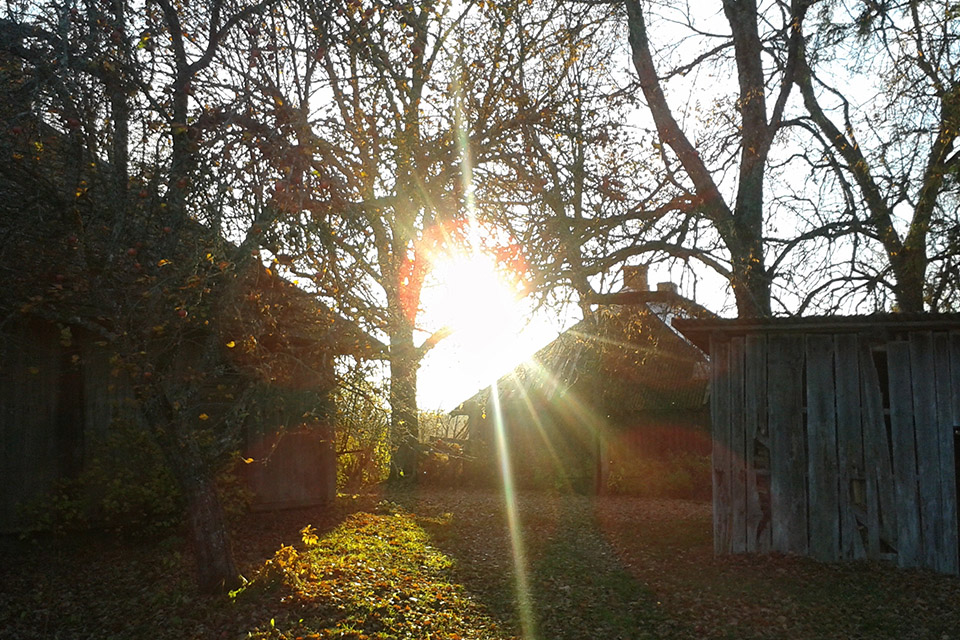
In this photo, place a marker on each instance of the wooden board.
(788, 461)
(955, 404)
(822, 449)
(720, 456)
(909, 551)
(881, 489)
(852, 482)
(923, 379)
(946, 391)
(738, 485)
(757, 445)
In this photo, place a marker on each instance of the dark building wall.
(29, 375)
(60, 394)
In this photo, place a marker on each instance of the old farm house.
(63, 396)
(836, 437)
(613, 387)
(67, 395)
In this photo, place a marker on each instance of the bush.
(128, 489)
(125, 488)
(362, 433)
(441, 464)
(683, 475)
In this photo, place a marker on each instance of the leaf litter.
(429, 563)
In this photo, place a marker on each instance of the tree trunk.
(740, 228)
(206, 525)
(404, 420)
(207, 531)
(910, 272)
(749, 278)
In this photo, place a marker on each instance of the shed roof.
(699, 331)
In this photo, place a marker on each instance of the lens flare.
(524, 600)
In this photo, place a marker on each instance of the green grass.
(435, 564)
(375, 576)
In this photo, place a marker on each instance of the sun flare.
(472, 298)
(485, 309)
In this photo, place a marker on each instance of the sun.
(472, 297)
(489, 318)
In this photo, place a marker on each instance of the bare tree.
(725, 191)
(890, 144)
(383, 114)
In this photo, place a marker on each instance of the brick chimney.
(668, 287)
(635, 278)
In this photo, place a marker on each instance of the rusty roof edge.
(699, 331)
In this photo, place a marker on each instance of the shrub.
(682, 475)
(441, 464)
(126, 488)
(362, 433)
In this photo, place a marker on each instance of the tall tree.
(561, 182)
(764, 47)
(383, 113)
(890, 145)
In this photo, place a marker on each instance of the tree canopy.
(158, 157)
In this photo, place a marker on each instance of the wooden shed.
(836, 437)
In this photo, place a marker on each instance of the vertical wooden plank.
(757, 445)
(904, 454)
(923, 383)
(720, 456)
(788, 460)
(947, 372)
(28, 399)
(738, 485)
(824, 516)
(853, 504)
(881, 489)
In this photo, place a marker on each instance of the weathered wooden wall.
(837, 445)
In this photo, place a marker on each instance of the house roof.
(625, 359)
(699, 331)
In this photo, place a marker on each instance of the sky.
(468, 361)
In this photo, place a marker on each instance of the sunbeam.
(524, 600)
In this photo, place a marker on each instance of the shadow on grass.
(577, 586)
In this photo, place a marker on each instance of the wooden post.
(850, 448)
(948, 409)
(881, 489)
(757, 445)
(904, 454)
(720, 457)
(738, 484)
(923, 377)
